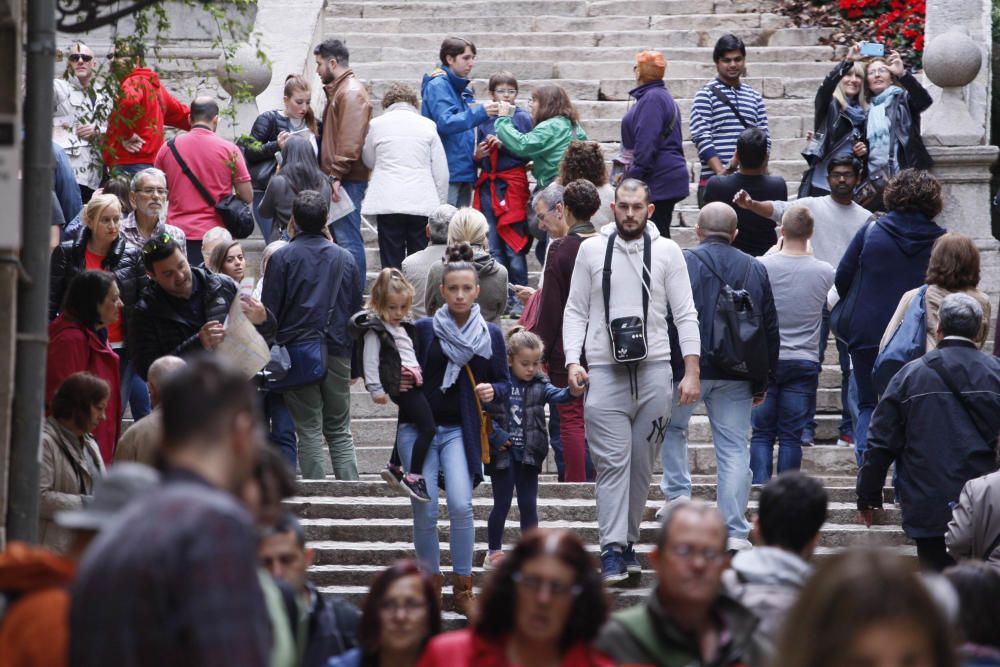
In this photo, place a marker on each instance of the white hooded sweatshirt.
(584, 327)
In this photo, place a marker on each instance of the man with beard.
(345, 126)
(837, 218)
(628, 274)
(687, 620)
(148, 194)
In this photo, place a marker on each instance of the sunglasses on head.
(157, 243)
(77, 57)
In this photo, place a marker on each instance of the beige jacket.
(975, 521)
(141, 442)
(345, 126)
(68, 470)
(935, 295)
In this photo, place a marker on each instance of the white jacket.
(583, 321)
(72, 106)
(408, 163)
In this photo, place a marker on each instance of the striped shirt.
(714, 126)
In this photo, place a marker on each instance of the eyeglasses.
(77, 57)
(409, 606)
(506, 91)
(878, 71)
(688, 553)
(157, 243)
(153, 191)
(555, 588)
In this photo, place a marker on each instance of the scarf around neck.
(879, 136)
(461, 344)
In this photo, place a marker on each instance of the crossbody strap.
(336, 289)
(673, 122)
(647, 277)
(729, 103)
(191, 177)
(933, 360)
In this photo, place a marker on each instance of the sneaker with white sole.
(738, 544)
(416, 487)
(613, 569)
(632, 564)
(393, 476)
(667, 504)
(492, 560)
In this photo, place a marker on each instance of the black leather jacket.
(904, 118)
(123, 260)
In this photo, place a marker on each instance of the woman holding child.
(464, 364)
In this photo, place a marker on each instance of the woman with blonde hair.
(470, 226)
(841, 107)
(268, 136)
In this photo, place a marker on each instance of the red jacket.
(143, 107)
(73, 347)
(463, 648)
(35, 629)
(513, 209)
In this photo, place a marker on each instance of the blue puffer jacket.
(446, 99)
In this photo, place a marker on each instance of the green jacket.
(544, 145)
(645, 636)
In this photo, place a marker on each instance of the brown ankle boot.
(463, 599)
(437, 581)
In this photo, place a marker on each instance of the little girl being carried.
(517, 463)
(388, 355)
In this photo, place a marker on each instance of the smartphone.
(872, 49)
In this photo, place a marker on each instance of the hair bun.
(459, 252)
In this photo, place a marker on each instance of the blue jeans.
(347, 230)
(282, 429)
(262, 222)
(864, 362)
(135, 393)
(728, 403)
(460, 194)
(447, 454)
(515, 263)
(846, 426)
(783, 415)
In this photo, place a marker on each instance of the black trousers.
(400, 235)
(662, 215)
(414, 409)
(932, 554)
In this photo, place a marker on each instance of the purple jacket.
(658, 162)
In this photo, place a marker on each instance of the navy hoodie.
(891, 261)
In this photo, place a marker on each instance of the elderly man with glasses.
(148, 195)
(79, 112)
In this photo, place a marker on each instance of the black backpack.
(738, 347)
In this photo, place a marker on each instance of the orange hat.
(650, 65)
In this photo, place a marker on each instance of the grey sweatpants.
(624, 434)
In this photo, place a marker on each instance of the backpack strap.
(673, 123)
(933, 360)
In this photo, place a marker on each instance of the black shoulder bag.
(628, 334)
(722, 97)
(236, 215)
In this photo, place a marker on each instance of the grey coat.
(68, 470)
(975, 521)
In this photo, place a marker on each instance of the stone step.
(372, 457)
(549, 509)
(507, 8)
(617, 36)
(516, 53)
(401, 530)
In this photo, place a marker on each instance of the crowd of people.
(622, 337)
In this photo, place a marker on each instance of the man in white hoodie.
(767, 579)
(627, 406)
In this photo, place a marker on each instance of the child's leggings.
(525, 479)
(414, 409)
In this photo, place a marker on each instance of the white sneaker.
(667, 504)
(492, 560)
(738, 544)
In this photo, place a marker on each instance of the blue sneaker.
(613, 568)
(632, 564)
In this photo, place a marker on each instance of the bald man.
(141, 442)
(215, 162)
(729, 391)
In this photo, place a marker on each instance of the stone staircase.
(357, 528)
